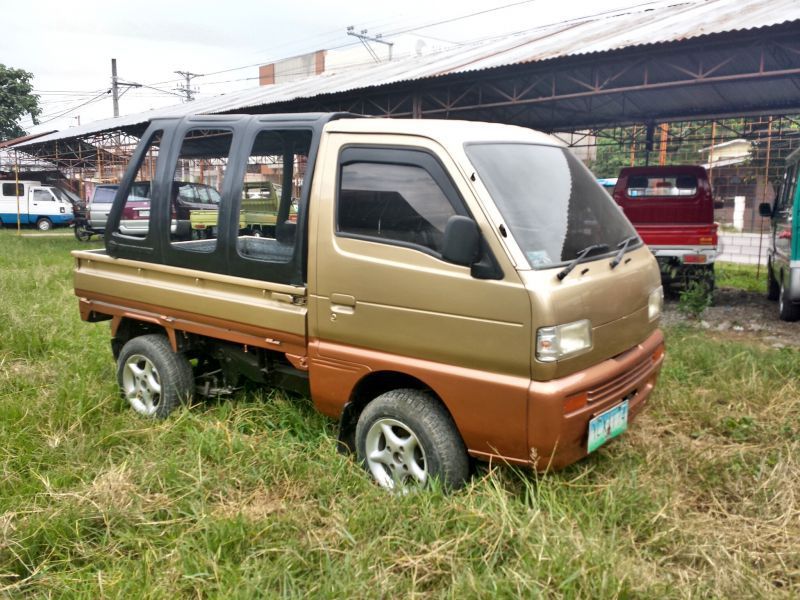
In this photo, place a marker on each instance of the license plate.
(144, 213)
(608, 425)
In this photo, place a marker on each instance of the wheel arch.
(367, 389)
(124, 329)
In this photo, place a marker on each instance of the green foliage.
(694, 298)
(16, 100)
(249, 498)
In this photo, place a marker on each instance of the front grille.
(614, 388)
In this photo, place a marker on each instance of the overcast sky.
(68, 46)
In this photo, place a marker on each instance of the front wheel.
(82, 234)
(44, 224)
(154, 379)
(405, 438)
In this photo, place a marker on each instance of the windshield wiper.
(579, 257)
(623, 246)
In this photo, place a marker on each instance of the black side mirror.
(462, 241)
(765, 209)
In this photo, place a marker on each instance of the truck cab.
(447, 291)
(672, 208)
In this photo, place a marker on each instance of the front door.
(783, 218)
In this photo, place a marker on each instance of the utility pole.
(365, 39)
(116, 84)
(186, 89)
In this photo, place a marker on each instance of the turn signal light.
(658, 354)
(573, 403)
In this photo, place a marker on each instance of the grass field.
(249, 498)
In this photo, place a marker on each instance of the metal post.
(764, 197)
(711, 153)
(16, 185)
(662, 155)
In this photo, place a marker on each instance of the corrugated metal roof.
(653, 23)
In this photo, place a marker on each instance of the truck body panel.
(361, 292)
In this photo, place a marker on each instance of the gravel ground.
(735, 313)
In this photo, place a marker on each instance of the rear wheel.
(786, 310)
(44, 224)
(405, 438)
(773, 287)
(154, 379)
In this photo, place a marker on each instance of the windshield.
(61, 195)
(551, 203)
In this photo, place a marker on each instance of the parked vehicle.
(450, 290)
(783, 256)
(34, 204)
(672, 209)
(187, 200)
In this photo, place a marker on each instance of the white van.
(34, 204)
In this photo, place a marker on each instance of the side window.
(201, 165)
(269, 204)
(396, 203)
(42, 196)
(13, 189)
(135, 218)
(787, 198)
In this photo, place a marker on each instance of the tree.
(16, 100)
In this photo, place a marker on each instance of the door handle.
(343, 300)
(342, 304)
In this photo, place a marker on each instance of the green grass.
(249, 498)
(744, 277)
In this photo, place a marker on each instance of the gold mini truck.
(447, 290)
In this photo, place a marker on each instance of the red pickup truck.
(672, 209)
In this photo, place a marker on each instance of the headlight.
(655, 303)
(553, 343)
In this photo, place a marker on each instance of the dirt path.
(741, 315)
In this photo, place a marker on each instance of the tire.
(786, 310)
(152, 378)
(82, 234)
(773, 287)
(405, 437)
(44, 224)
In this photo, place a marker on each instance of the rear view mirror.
(461, 241)
(765, 209)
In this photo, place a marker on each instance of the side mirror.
(462, 241)
(719, 204)
(765, 209)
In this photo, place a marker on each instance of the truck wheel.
(82, 234)
(786, 310)
(44, 224)
(153, 378)
(404, 438)
(773, 287)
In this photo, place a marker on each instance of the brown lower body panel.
(501, 417)
(557, 433)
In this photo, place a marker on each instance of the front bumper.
(557, 434)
